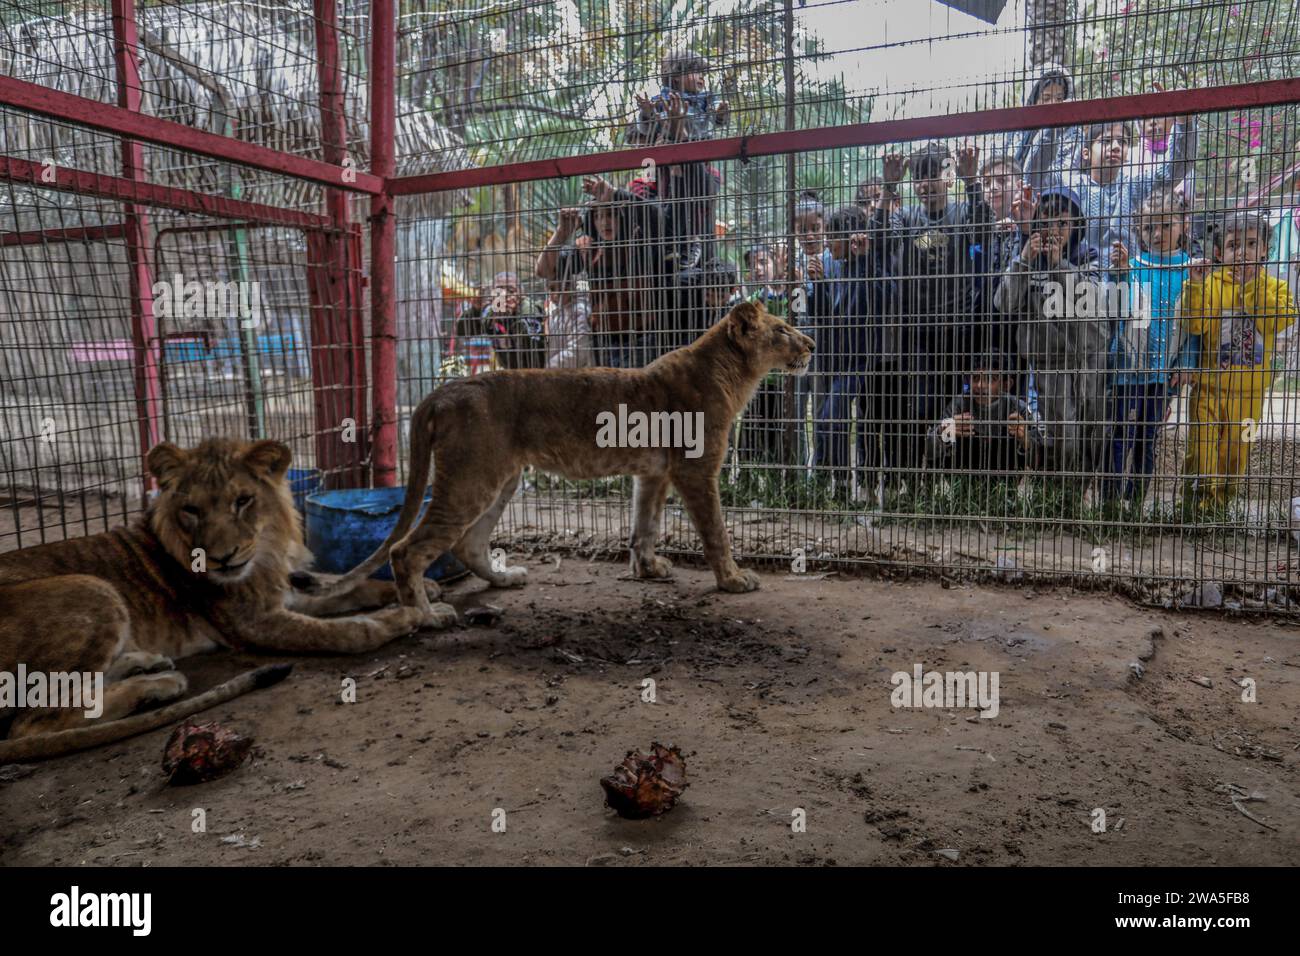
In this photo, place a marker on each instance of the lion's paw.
(396, 621)
(440, 616)
(740, 582)
(156, 688)
(656, 567)
(132, 663)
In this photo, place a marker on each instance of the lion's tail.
(42, 746)
(421, 464)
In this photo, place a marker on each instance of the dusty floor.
(779, 699)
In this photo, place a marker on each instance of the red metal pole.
(882, 132)
(144, 329)
(338, 366)
(68, 107)
(165, 197)
(37, 237)
(383, 244)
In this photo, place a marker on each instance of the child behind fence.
(1054, 286)
(988, 429)
(1238, 310)
(927, 248)
(1111, 189)
(841, 328)
(762, 427)
(684, 110)
(1147, 348)
(568, 326)
(813, 266)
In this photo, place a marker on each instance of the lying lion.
(483, 430)
(209, 565)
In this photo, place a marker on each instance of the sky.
(883, 45)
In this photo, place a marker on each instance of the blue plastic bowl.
(345, 526)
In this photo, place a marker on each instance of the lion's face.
(775, 344)
(226, 497)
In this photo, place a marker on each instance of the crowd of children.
(1038, 305)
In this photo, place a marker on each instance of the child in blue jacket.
(1147, 348)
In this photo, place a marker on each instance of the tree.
(1048, 23)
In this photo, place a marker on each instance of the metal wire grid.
(198, 64)
(69, 432)
(785, 486)
(524, 81)
(436, 116)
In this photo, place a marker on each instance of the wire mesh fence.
(1054, 328)
(161, 293)
(1014, 377)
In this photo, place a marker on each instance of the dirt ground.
(779, 700)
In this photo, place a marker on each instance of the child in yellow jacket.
(1237, 309)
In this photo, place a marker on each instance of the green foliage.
(525, 82)
(1120, 47)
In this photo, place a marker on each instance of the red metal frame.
(383, 243)
(337, 331)
(128, 190)
(38, 237)
(334, 244)
(124, 121)
(144, 328)
(1068, 113)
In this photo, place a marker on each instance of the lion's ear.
(163, 459)
(268, 457)
(744, 319)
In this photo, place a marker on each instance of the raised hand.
(895, 164)
(1198, 270)
(1033, 247)
(1054, 246)
(598, 187)
(1118, 257)
(570, 217)
(1017, 428)
(968, 161)
(677, 107)
(1022, 209)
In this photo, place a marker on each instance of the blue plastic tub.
(344, 527)
(302, 482)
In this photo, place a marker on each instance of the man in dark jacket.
(840, 316)
(927, 249)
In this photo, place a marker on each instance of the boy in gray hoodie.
(1056, 292)
(1054, 85)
